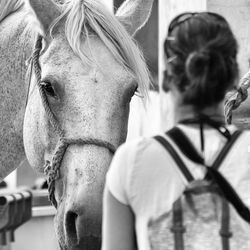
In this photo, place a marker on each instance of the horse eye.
(136, 90)
(48, 88)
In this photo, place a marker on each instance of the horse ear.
(46, 12)
(134, 14)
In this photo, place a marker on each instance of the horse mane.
(85, 17)
(7, 7)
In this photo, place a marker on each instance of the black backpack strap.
(225, 225)
(178, 229)
(184, 144)
(187, 148)
(226, 149)
(228, 191)
(179, 162)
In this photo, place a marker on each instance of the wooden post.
(237, 14)
(11, 179)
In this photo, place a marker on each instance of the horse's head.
(77, 112)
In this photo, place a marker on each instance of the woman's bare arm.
(118, 225)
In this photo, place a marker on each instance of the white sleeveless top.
(144, 176)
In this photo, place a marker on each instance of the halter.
(52, 169)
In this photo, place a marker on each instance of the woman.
(144, 181)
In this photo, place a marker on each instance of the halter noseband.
(52, 169)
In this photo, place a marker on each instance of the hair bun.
(196, 64)
(205, 64)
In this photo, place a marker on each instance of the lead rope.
(37, 69)
(234, 100)
(51, 169)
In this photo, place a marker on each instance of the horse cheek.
(34, 140)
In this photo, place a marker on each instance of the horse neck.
(16, 45)
(15, 49)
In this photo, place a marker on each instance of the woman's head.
(201, 54)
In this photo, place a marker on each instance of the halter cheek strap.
(52, 169)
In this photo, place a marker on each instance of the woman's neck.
(183, 112)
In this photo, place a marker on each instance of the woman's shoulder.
(138, 145)
(246, 132)
(123, 166)
(244, 137)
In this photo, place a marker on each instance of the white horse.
(71, 111)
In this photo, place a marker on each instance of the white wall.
(237, 14)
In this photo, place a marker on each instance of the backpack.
(209, 215)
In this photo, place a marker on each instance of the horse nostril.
(71, 229)
(81, 231)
